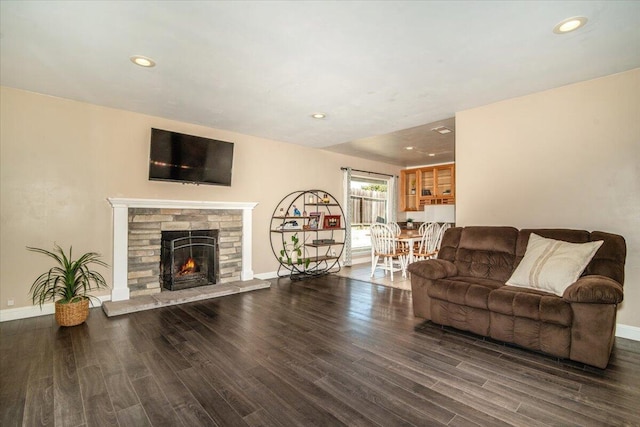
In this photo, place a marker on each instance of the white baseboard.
(35, 310)
(361, 260)
(628, 332)
(266, 276)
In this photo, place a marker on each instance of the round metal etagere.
(307, 234)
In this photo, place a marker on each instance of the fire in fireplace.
(189, 259)
(188, 267)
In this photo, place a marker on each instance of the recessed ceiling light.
(432, 154)
(409, 148)
(143, 61)
(442, 130)
(570, 24)
(319, 115)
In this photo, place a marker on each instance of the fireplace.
(189, 258)
(137, 226)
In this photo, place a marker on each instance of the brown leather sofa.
(465, 288)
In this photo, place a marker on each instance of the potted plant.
(291, 254)
(409, 222)
(68, 283)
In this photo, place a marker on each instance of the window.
(369, 204)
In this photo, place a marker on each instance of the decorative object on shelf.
(290, 225)
(314, 220)
(69, 283)
(302, 244)
(323, 241)
(331, 221)
(291, 253)
(426, 192)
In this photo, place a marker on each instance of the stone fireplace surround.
(167, 214)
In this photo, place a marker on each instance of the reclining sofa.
(465, 288)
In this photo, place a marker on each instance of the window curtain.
(392, 202)
(348, 207)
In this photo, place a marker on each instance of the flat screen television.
(184, 158)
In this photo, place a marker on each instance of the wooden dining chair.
(427, 247)
(443, 227)
(395, 227)
(424, 226)
(431, 240)
(402, 246)
(385, 251)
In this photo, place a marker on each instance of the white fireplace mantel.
(121, 207)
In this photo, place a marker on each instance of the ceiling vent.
(442, 130)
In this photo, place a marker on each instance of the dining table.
(410, 237)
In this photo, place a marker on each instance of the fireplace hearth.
(189, 259)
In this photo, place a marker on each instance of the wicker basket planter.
(73, 313)
(69, 282)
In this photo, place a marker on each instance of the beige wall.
(568, 157)
(61, 159)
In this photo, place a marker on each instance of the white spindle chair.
(395, 227)
(427, 248)
(431, 241)
(402, 246)
(424, 226)
(385, 253)
(444, 227)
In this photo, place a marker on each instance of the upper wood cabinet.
(432, 185)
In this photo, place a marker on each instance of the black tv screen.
(184, 158)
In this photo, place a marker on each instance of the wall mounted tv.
(185, 158)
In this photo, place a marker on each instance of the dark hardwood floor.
(328, 351)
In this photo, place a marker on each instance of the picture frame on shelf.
(331, 221)
(315, 219)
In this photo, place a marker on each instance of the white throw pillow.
(552, 265)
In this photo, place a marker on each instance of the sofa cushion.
(610, 259)
(530, 304)
(486, 252)
(468, 291)
(434, 269)
(594, 289)
(566, 234)
(462, 317)
(449, 244)
(552, 265)
(549, 338)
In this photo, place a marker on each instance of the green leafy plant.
(290, 248)
(375, 187)
(70, 280)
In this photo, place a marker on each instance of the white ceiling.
(262, 68)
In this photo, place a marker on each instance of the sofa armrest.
(594, 289)
(433, 269)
